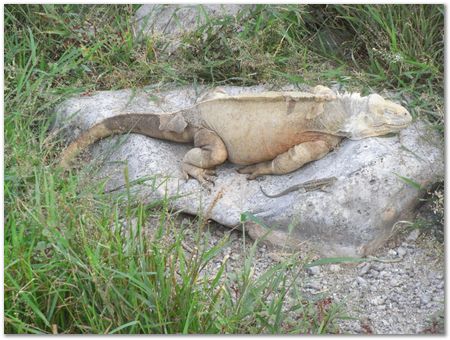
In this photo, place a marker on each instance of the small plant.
(437, 197)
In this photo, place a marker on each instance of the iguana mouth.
(396, 123)
(378, 130)
(399, 125)
(391, 127)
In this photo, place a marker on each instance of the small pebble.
(335, 268)
(364, 269)
(313, 270)
(392, 252)
(378, 300)
(425, 282)
(384, 273)
(401, 251)
(361, 281)
(374, 273)
(406, 245)
(233, 236)
(437, 298)
(313, 285)
(235, 256)
(413, 235)
(395, 282)
(378, 266)
(425, 299)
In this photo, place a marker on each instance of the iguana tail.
(145, 124)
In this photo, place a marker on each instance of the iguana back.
(259, 127)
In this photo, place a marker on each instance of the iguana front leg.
(292, 159)
(209, 152)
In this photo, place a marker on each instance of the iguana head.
(378, 117)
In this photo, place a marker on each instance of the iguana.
(268, 132)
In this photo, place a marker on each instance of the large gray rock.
(353, 217)
(170, 22)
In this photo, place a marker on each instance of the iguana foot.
(204, 176)
(255, 170)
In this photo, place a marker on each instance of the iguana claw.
(204, 176)
(251, 170)
(255, 170)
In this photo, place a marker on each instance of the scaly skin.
(315, 184)
(269, 132)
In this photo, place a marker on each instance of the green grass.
(68, 264)
(81, 272)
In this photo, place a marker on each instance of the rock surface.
(170, 22)
(353, 217)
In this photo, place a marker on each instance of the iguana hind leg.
(292, 159)
(209, 152)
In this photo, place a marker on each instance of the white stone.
(413, 235)
(378, 300)
(335, 268)
(314, 270)
(401, 251)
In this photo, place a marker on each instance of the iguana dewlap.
(270, 132)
